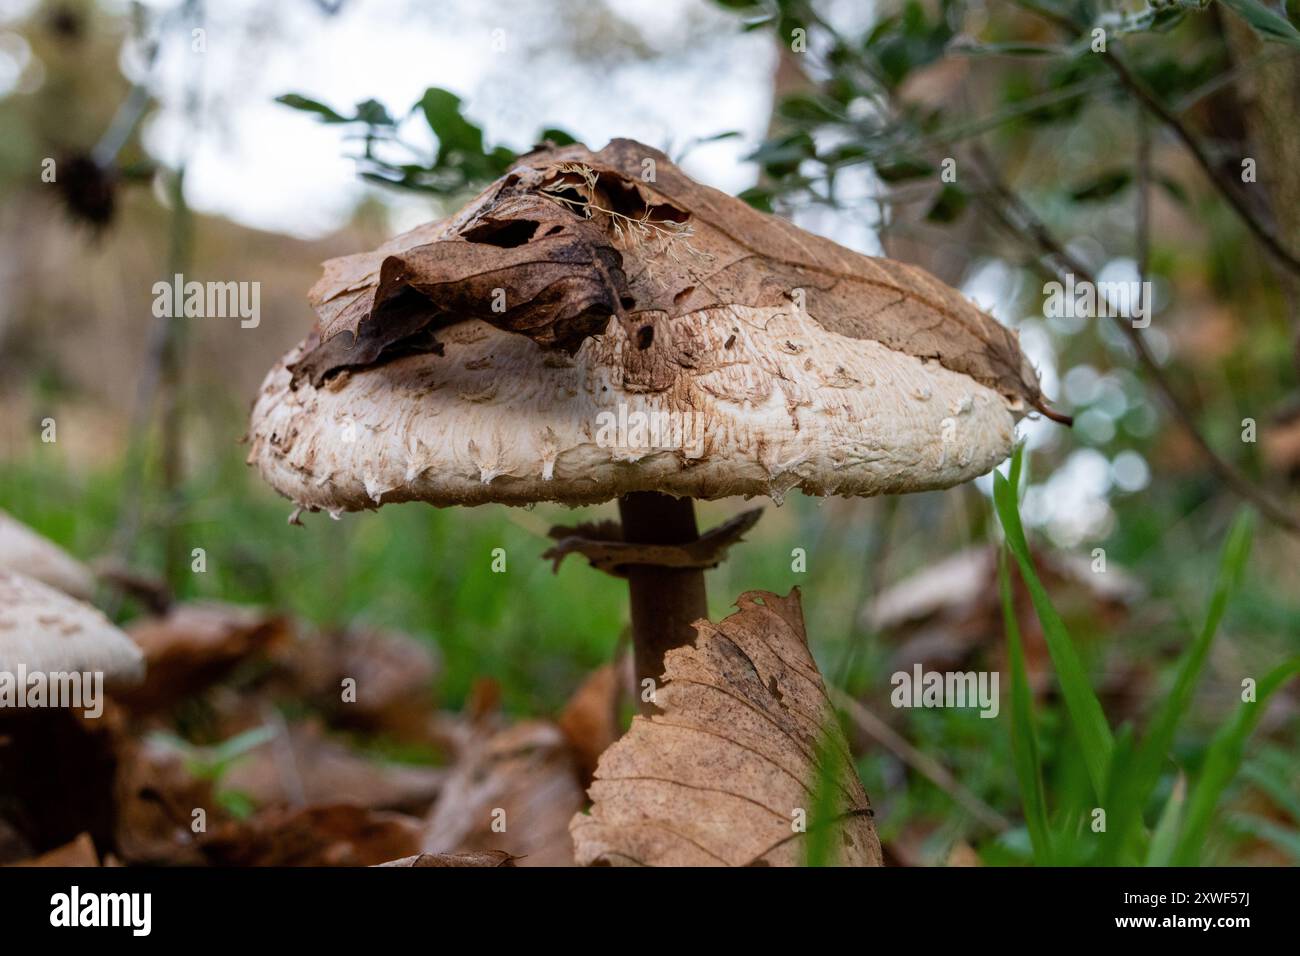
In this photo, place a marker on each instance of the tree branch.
(1016, 216)
(1262, 231)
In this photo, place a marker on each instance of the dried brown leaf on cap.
(570, 237)
(745, 738)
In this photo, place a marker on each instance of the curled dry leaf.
(570, 237)
(612, 555)
(746, 747)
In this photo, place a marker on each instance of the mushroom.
(57, 760)
(44, 631)
(597, 326)
(25, 551)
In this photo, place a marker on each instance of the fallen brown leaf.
(726, 773)
(80, 852)
(156, 796)
(590, 718)
(332, 835)
(512, 790)
(394, 674)
(304, 766)
(195, 645)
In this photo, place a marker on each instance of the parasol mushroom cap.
(44, 630)
(25, 551)
(695, 347)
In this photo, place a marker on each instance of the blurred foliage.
(460, 161)
(881, 102)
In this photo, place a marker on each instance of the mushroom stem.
(665, 601)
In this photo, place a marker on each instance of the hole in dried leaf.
(507, 234)
(645, 336)
(626, 200)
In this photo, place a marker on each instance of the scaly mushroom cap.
(46, 631)
(25, 551)
(580, 330)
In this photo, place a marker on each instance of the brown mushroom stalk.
(666, 602)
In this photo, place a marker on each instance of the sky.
(649, 69)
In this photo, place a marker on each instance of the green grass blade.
(1132, 791)
(1270, 831)
(1024, 742)
(1276, 777)
(1165, 839)
(1081, 703)
(1222, 761)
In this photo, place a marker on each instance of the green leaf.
(808, 108)
(781, 157)
(1024, 742)
(455, 134)
(1161, 850)
(902, 170)
(1102, 186)
(1086, 715)
(1009, 49)
(1222, 761)
(1270, 831)
(759, 198)
(948, 205)
(1274, 773)
(1266, 22)
(374, 113)
(557, 136)
(297, 102)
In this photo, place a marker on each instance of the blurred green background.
(846, 136)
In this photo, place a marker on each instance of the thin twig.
(926, 766)
(1143, 94)
(1027, 227)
